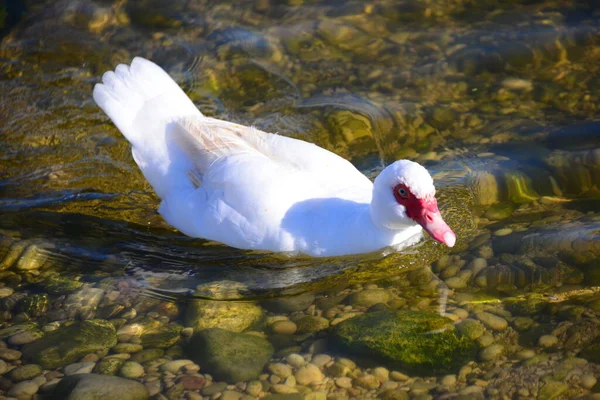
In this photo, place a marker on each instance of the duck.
(248, 189)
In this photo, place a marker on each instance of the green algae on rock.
(229, 356)
(69, 343)
(408, 340)
(232, 316)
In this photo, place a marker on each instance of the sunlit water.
(498, 99)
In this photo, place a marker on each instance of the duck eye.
(402, 192)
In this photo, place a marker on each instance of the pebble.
(280, 388)
(231, 395)
(492, 321)
(281, 370)
(381, 373)
(548, 341)
(345, 382)
(491, 352)
(588, 381)
(321, 359)
(284, 327)
(24, 389)
(3, 367)
(24, 337)
(525, 354)
(367, 381)
(5, 292)
(10, 354)
(174, 366)
(192, 382)
(449, 380)
(309, 374)
(131, 370)
(25, 372)
(398, 376)
(503, 232)
(80, 368)
(254, 388)
(295, 360)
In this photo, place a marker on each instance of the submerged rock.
(412, 341)
(69, 343)
(229, 356)
(94, 386)
(232, 316)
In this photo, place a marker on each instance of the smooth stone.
(552, 390)
(228, 315)
(10, 354)
(492, 321)
(281, 370)
(147, 355)
(492, 352)
(394, 394)
(175, 365)
(131, 370)
(231, 395)
(321, 359)
(25, 372)
(471, 328)
(25, 337)
(98, 387)
(548, 341)
(254, 388)
(5, 292)
(344, 382)
(310, 323)
(383, 374)
(3, 367)
(108, 366)
(588, 381)
(286, 305)
(229, 356)
(367, 381)
(449, 380)
(24, 389)
(80, 368)
(369, 297)
(295, 360)
(192, 382)
(214, 388)
(285, 327)
(83, 301)
(128, 348)
(69, 343)
(309, 374)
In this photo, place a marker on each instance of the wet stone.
(492, 321)
(369, 297)
(108, 366)
(80, 368)
(98, 387)
(232, 316)
(230, 356)
(310, 323)
(403, 339)
(69, 343)
(82, 302)
(25, 372)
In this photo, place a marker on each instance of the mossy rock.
(229, 315)
(69, 343)
(417, 342)
(532, 304)
(163, 337)
(228, 356)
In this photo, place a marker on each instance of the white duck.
(254, 190)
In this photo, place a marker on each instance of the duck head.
(403, 194)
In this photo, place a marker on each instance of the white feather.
(243, 187)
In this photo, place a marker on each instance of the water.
(497, 99)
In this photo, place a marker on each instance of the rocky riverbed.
(499, 100)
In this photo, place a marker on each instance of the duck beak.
(431, 220)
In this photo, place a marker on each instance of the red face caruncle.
(425, 212)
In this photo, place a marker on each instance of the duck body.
(253, 190)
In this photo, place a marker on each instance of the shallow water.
(497, 99)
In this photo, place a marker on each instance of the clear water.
(499, 99)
